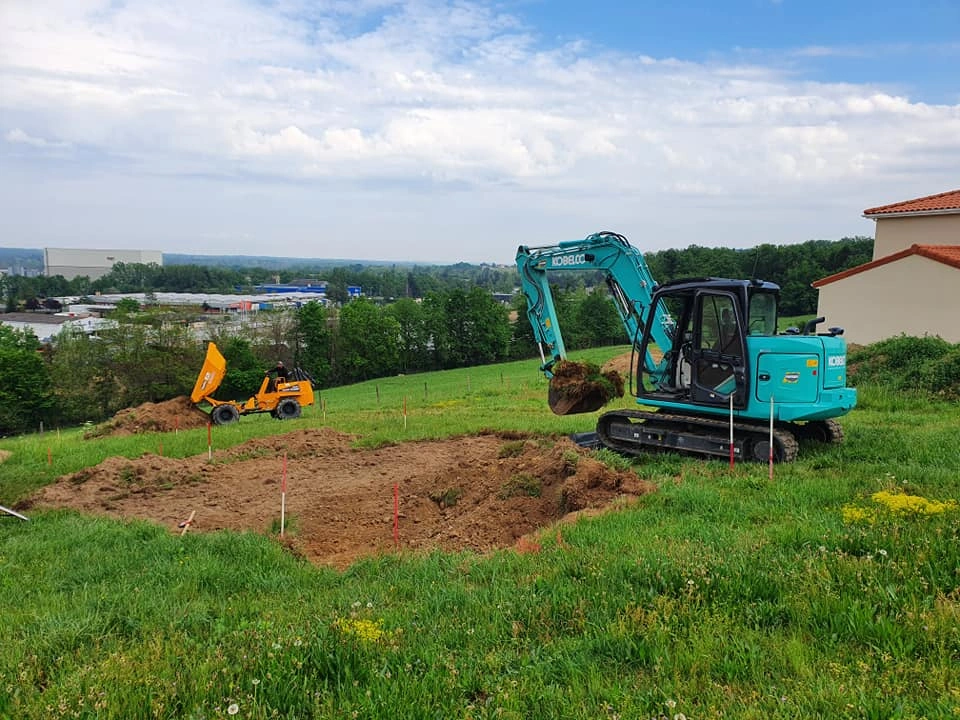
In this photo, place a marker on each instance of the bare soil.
(476, 492)
(176, 414)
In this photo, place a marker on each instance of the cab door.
(719, 351)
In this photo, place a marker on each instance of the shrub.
(942, 375)
(901, 362)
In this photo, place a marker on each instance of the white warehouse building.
(73, 263)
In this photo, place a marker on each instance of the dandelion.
(882, 552)
(256, 681)
(671, 704)
(233, 709)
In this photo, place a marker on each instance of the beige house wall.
(894, 234)
(915, 296)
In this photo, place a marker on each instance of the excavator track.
(825, 431)
(634, 432)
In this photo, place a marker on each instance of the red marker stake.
(396, 515)
(404, 412)
(209, 442)
(731, 431)
(283, 495)
(771, 437)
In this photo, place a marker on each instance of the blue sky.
(454, 131)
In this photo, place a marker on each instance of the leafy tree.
(523, 343)
(26, 396)
(313, 341)
(414, 341)
(367, 342)
(277, 335)
(125, 306)
(85, 387)
(597, 321)
(487, 329)
(155, 357)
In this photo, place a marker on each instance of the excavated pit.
(476, 492)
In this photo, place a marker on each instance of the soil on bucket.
(578, 387)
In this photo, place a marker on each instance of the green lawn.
(722, 595)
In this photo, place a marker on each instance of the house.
(912, 285)
(46, 326)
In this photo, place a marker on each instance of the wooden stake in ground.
(185, 525)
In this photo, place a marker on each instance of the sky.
(433, 131)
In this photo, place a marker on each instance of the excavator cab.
(708, 360)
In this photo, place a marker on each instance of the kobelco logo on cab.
(837, 361)
(569, 260)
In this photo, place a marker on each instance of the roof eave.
(910, 213)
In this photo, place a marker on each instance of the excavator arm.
(631, 286)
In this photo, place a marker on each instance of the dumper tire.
(287, 409)
(224, 414)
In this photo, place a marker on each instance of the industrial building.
(72, 263)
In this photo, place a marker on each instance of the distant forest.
(793, 267)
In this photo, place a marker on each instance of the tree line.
(793, 267)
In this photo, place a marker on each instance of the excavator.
(706, 355)
(284, 400)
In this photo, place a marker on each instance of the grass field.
(832, 591)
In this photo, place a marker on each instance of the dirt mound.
(619, 364)
(176, 414)
(477, 492)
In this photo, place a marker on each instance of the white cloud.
(425, 96)
(20, 137)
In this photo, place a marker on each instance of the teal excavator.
(703, 349)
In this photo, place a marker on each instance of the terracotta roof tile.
(931, 203)
(946, 254)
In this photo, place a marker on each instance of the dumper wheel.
(287, 409)
(225, 414)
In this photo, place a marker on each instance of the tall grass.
(722, 595)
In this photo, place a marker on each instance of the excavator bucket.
(581, 388)
(564, 404)
(211, 374)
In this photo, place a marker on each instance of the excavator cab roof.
(715, 283)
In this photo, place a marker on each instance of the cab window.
(763, 314)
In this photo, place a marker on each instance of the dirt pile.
(176, 414)
(477, 492)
